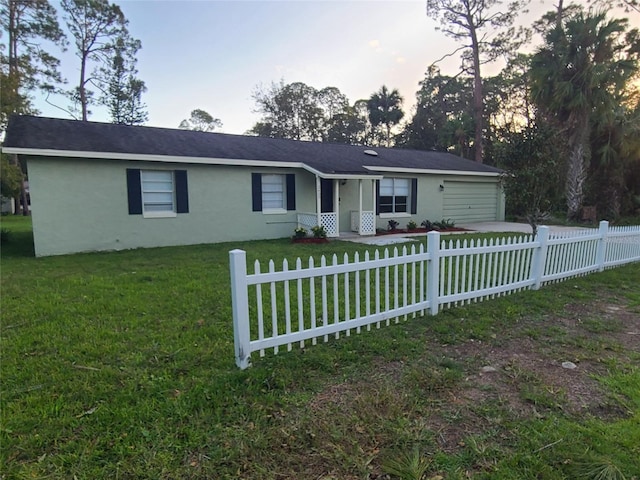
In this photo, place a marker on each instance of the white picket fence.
(276, 308)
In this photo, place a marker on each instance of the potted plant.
(300, 232)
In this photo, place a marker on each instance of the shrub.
(411, 225)
(444, 224)
(427, 224)
(319, 231)
(393, 225)
(300, 232)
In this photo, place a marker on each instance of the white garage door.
(466, 202)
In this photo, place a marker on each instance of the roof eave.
(184, 159)
(431, 171)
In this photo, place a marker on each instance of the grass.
(121, 365)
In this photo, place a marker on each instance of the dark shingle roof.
(39, 133)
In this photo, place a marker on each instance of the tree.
(473, 22)
(28, 65)
(443, 116)
(200, 121)
(513, 109)
(289, 111)
(333, 102)
(578, 75)
(340, 122)
(348, 127)
(527, 157)
(385, 109)
(10, 178)
(123, 96)
(99, 30)
(615, 143)
(627, 5)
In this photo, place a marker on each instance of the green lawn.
(121, 365)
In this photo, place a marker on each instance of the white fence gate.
(278, 308)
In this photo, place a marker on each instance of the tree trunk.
(559, 15)
(477, 92)
(82, 91)
(576, 175)
(24, 197)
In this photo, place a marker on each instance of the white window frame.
(148, 190)
(393, 212)
(273, 191)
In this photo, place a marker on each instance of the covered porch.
(354, 211)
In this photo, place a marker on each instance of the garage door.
(466, 202)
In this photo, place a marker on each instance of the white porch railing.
(329, 220)
(276, 308)
(367, 220)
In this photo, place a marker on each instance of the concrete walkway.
(471, 227)
(511, 227)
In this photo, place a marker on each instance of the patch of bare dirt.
(521, 376)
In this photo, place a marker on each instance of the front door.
(326, 195)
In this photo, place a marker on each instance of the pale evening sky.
(211, 54)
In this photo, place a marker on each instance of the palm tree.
(385, 108)
(576, 74)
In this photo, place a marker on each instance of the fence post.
(240, 307)
(540, 257)
(433, 272)
(602, 244)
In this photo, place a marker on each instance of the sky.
(213, 54)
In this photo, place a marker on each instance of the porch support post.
(373, 203)
(318, 202)
(359, 206)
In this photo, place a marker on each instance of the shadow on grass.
(19, 245)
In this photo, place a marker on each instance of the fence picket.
(347, 294)
(377, 257)
(336, 304)
(367, 294)
(396, 293)
(325, 311)
(256, 269)
(422, 292)
(356, 259)
(300, 300)
(483, 284)
(287, 304)
(312, 300)
(386, 285)
(413, 280)
(274, 309)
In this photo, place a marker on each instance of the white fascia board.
(175, 159)
(151, 158)
(345, 176)
(431, 171)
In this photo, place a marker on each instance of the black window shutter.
(377, 197)
(182, 192)
(256, 192)
(134, 191)
(291, 191)
(414, 196)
